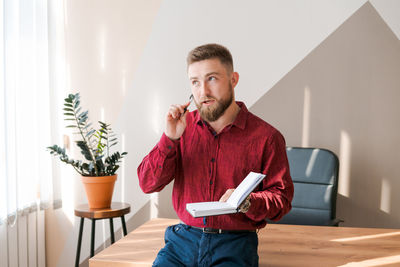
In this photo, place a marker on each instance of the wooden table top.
(279, 245)
(117, 209)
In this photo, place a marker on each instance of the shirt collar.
(241, 118)
(239, 122)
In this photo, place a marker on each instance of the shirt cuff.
(167, 146)
(254, 211)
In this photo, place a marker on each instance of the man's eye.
(195, 82)
(212, 78)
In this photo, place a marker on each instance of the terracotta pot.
(99, 190)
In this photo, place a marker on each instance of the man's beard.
(214, 112)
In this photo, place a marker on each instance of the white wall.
(104, 43)
(127, 58)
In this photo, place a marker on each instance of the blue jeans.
(187, 246)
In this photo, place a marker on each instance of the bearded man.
(207, 153)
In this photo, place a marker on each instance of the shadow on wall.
(355, 210)
(343, 96)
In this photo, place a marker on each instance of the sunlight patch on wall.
(385, 196)
(103, 226)
(65, 14)
(154, 205)
(67, 77)
(123, 82)
(68, 192)
(344, 159)
(306, 117)
(102, 48)
(123, 169)
(155, 111)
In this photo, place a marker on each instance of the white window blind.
(27, 86)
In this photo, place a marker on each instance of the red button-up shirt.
(204, 165)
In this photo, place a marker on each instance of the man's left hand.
(244, 207)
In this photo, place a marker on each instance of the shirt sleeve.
(158, 168)
(274, 199)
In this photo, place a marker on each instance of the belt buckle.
(208, 230)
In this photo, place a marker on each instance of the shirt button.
(213, 160)
(211, 182)
(169, 147)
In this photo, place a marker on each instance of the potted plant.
(98, 170)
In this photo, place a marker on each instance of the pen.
(190, 100)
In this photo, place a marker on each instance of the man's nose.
(204, 90)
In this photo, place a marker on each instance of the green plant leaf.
(87, 126)
(76, 105)
(82, 120)
(85, 166)
(115, 169)
(85, 151)
(83, 114)
(94, 149)
(91, 132)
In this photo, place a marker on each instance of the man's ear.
(234, 79)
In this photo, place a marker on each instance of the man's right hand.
(176, 121)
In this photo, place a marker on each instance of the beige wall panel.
(344, 97)
(390, 12)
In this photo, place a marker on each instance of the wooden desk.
(279, 245)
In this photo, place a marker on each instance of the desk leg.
(78, 250)
(123, 225)
(92, 238)
(112, 231)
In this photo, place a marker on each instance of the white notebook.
(200, 209)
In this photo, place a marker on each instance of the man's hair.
(211, 51)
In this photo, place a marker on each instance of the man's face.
(212, 88)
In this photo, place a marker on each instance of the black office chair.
(315, 177)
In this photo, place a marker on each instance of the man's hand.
(244, 207)
(176, 121)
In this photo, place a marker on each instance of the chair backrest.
(315, 177)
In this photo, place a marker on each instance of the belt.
(208, 230)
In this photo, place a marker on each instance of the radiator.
(22, 241)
